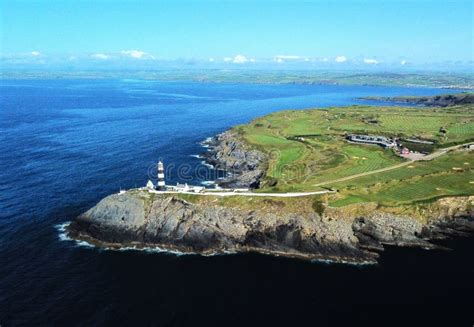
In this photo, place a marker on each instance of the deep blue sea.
(65, 144)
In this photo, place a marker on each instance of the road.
(428, 157)
(230, 193)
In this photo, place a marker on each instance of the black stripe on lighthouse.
(161, 177)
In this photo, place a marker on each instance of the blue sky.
(240, 32)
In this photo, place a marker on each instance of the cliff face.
(356, 234)
(245, 167)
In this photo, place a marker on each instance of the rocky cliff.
(244, 167)
(287, 227)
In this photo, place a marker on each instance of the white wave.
(149, 249)
(196, 156)
(204, 163)
(84, 244)
(62, 231)
(63, 236)
(205, 143)
(343, 262)
(208, 183)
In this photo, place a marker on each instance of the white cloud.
(100, 56)
(35, 53)
(370, 61)
(211, 59)
(282, 58)
(403, 62)
(239, 59)
(137, 54)
(341, 59)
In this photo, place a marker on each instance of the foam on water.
(196, 156)
(63, 236)
(208, 183)
(205, 143)
(204, 163)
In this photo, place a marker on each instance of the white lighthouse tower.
(160, 186)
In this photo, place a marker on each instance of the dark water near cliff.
(66, 144)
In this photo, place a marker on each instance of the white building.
(372, 139)
(185, 188)
(150, 185)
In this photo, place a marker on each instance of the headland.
(319, 184)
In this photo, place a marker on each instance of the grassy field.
(449, 175)
(307, 147)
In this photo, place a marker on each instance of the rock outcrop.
(206, 225)
(244, 167)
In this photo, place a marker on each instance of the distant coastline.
(433, 79)
(443, 100)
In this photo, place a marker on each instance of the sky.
(337, 32)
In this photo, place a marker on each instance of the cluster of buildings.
(388, 142)
(372, 139)
(185, 188)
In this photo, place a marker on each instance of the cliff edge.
(303, 228)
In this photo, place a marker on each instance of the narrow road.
(428, 157)
(231, 193)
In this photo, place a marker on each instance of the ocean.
(65, 144)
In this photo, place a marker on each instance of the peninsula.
(443, 100)
(319, 184)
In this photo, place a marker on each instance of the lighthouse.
(160, 186)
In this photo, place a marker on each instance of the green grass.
(413, 189)
(307, 147)
(446, 164)
(446, 176)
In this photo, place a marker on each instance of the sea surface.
(65, 144)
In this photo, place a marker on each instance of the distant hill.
(444, 100)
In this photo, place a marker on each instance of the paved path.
(230, 193)
(403, 164)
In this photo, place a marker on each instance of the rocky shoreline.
(305, 228)
(352, 234)
(244, 167)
